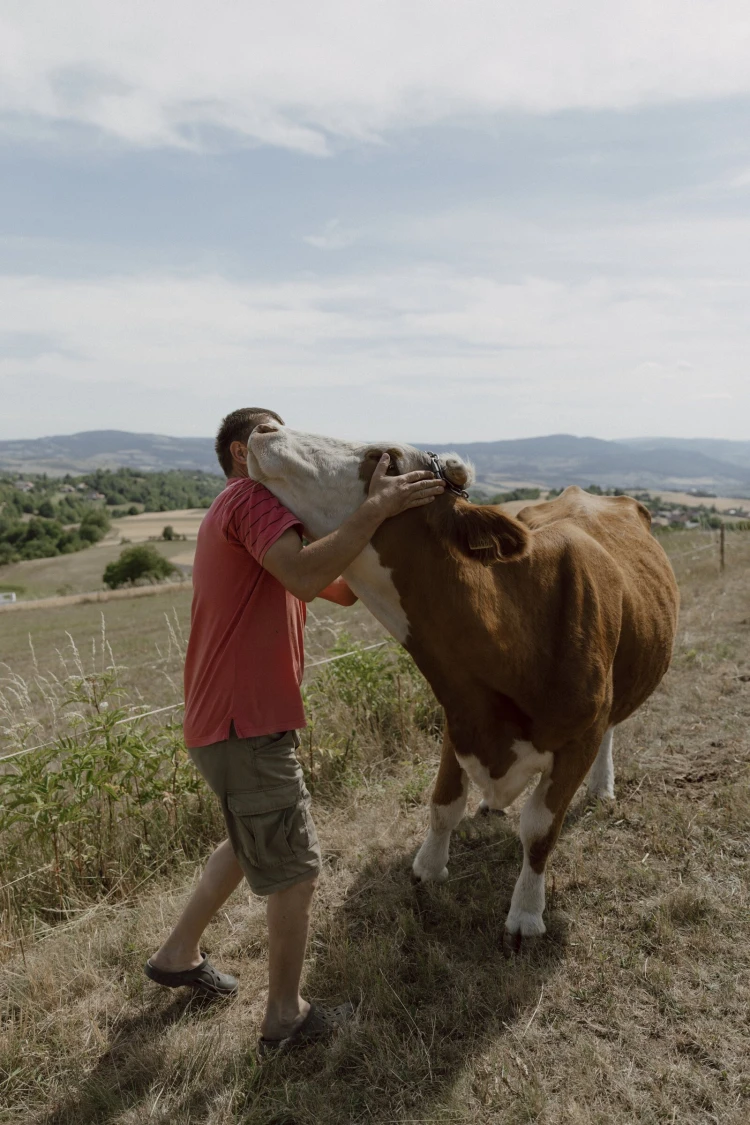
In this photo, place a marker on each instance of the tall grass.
(113, 798)
(365, 710)
(102, 806)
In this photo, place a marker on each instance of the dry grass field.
(146, 636)
(81, 572)
(723, 503)
(149, 525)
(633, 1008)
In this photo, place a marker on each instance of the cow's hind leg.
(601, 779)
(541, 821)
(447, 808)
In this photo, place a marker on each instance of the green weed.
(113, 798)
(366, 708)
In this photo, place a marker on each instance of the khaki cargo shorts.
(266, 807)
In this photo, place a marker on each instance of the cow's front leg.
(447, 808)
(541, 821)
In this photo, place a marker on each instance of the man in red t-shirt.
(251, 579)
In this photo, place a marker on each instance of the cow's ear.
(487, 534)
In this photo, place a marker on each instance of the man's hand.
(305, 571)
(339, 592)
(396, 494)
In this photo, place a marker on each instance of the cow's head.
(323, 480)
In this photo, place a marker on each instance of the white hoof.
(430, 862)
(423, 873)
(526, 924)
(601, 792)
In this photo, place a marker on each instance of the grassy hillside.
(43, 518)
(74, 574)
(632, 1009)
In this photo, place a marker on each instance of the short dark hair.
(238, 426)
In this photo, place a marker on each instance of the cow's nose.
(266, 428)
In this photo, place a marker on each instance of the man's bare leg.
(181, 950)
(288, 927)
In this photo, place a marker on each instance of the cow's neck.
(372, 582)
(407, 571)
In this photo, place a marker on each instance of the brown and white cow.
(538, 635)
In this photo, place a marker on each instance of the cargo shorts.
(266, 807)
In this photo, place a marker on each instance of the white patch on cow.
(527, 903)
(430, 863)
(499, 792)
(317, 477)
(320, 480)
(373, 584)
(601, 779)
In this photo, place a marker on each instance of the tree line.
(60, 515)
(156, 492)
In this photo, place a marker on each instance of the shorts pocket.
(305, 832)
(267, 824)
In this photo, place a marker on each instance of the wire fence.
(175, 706)
(693, 551)
(717, 545)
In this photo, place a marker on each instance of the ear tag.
(482, 543)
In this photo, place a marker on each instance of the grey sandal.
(319, 1024)
(204, 978)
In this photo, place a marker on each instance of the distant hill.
(735, 452)
(107, 449)
(560, 459)
(554, 460)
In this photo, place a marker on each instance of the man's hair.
(237, 426)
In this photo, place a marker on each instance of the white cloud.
(464, 355)
(297, 74)
(741, 180)
(333, 237)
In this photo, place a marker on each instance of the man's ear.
(238, 449)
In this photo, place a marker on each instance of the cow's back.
(650, 598)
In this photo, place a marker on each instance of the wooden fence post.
(722, 543)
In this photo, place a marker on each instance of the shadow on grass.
(425, 964)
(128, 1068)
(434, 990)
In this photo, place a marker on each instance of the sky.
(410, 219)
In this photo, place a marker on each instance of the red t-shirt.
(245, 656)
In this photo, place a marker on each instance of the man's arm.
(339, 592)
(306, 571)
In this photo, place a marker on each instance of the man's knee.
(300, 891)
(305, 887)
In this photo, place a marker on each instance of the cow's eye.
(393, 469)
